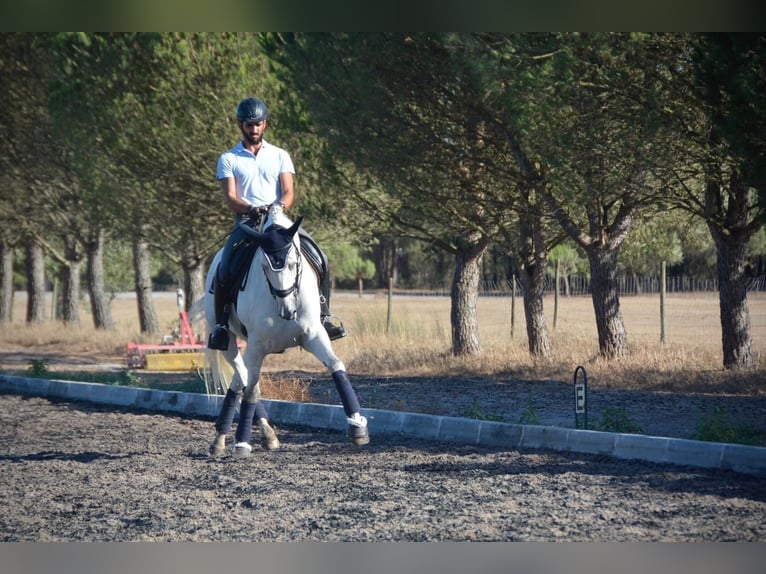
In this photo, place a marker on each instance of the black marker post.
(581, 398)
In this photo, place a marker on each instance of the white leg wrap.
(357, 420)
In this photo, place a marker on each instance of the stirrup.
(333, 331)
(219, 338)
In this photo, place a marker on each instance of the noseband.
(278, 263)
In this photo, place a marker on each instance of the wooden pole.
(390, 297)
(513, 303)
(556, 295)
(662, 302)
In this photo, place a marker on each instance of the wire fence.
(580, 285)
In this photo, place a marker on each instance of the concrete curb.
(724, 456)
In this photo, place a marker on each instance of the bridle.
(295, 287)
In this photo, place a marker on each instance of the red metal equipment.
(180, 351)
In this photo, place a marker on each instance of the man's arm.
(234, 203)
(288, 195)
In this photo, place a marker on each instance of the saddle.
(235, 267)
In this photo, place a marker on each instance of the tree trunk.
(99, 302)
(532, 279)
(6, 282)
(464, 295)
(194, 281)
(35, 282)
(386, 261)
(147, 316)
(70, 303)
(533, 261)
(612, 339)
(731, 241)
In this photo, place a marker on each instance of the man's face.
(252, 132)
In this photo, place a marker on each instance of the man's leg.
(334, 331)
(219, 334)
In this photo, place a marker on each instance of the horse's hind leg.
(229, 407)
(269, 439)
(247, 412)
(224, 421)
(252, 409)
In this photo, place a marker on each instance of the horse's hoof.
(242, 450)
(270, 443)
(360, 436)
(269, 440)
(218, 446)
(217, 451)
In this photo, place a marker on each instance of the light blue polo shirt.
(256, 176)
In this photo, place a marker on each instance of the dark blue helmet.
(252, 110)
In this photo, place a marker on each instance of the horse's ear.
(296, 225)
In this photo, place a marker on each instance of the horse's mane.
(278, 218)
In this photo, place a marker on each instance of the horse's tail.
(221, 372)
(197, 310)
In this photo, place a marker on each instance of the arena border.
(684, 452)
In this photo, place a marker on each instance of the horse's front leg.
(252, 409)
(321, 348)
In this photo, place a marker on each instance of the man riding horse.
(255, 175)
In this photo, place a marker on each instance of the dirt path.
(80, 472)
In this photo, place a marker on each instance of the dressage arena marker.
(581, 399)
(723, 456)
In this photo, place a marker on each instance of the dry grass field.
(418, 343)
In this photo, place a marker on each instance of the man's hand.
(255, 212)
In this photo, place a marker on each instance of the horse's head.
(276, 216)
(281, 264)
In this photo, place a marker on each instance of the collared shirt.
(256, 176)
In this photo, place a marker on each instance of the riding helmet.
(252, 110)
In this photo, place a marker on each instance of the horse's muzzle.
(288, 314)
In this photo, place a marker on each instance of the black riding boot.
(219, 334)
(334, 331)
(310, 247)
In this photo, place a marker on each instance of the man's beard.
(252, 140)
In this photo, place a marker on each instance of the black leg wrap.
(228, 409)
(346, 392)
(245, 426)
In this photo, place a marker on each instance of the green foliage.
(569, 258)
(347, 262)
(616, 420)
(720, 426)
(450, 139)
(653, 241)
(130, 378)
(730, 77)
(475, 412)
(529, 416)
(38, 367)
(119, 272)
